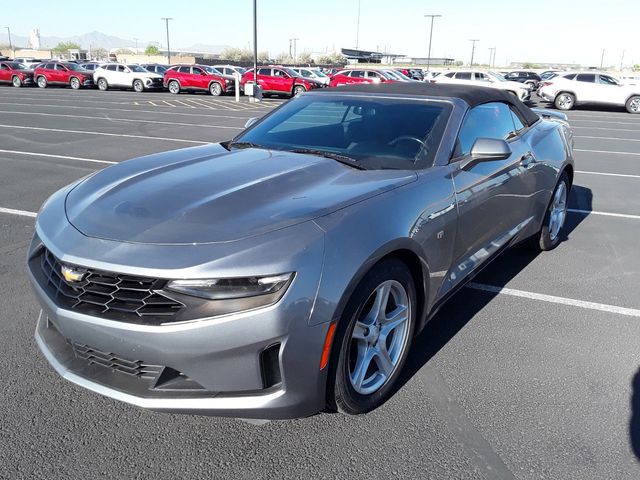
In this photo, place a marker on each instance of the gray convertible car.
(287, 271)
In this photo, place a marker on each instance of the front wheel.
(75, 83)
(298, 89)
(174, 87)
(102, 84)
(633, 104)
(16, 81)
(373, 339)
(138, 86)
(548, 237)
(215, 89)
(565, 101)
(42, 82)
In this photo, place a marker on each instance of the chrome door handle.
(527, 159)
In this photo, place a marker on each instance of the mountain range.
(98, 39)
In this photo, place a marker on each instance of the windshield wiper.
(352, 162)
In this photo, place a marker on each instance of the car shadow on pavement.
(465, 304)
(634, 423)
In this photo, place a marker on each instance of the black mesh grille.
(111, 295)
(109, 360)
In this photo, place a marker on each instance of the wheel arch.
(564, 90)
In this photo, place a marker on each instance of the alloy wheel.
(379, 338)
(174, 87)
(42, 82)
(75, 83)
(17, 82)
(565, 102)
(634, 105)
(558, 212)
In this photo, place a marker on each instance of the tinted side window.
(571, 76)
(197, 71)
(357, 74)
(586, 77)
(3, 66)
(463, 76)
(491, 120)
(482, 77)
(50, 66)
(264, 71)
(450, 74)
(607, 80)
(373, 75)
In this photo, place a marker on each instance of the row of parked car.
(564, 89)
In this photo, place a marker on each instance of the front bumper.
(262, 363)
(545, 95)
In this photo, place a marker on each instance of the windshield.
(73, 66)
(319, 73)
(377, 133)
(497, 76)
(291, 72)
(401, 75)
(393, 75)
(137, 68)
(17, 66)
(213, 71)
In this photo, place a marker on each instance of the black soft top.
(471, 94)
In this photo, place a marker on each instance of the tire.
(215, 89)
(174, 87)
(360, 379)
(42, 82)
(297, 90)
(103, 84)
(75, 83)
(138, 86)
(16, 82)
(633, 104)
(548, 237)
(565, 101)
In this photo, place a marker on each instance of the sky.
(532, 31)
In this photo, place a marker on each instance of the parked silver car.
(287, 271)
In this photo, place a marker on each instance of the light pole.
(473, 49)
(430, 38)
(136, 40)
(10, 44)
(358, 27)
(166, 21)
(255, 97)
(622, 59)
(602, 59)
(491, 55)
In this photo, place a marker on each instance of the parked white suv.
(313, 74)
(484, 78)
(572, 88)
(126, 76)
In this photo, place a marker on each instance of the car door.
(609, 90)
(123, 76)
(374, 77)
(465, 78)
(586, 90)
(5, 73)
(61, 74)
(494, 197)
(282, 81)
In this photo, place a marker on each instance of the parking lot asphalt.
(532, 372)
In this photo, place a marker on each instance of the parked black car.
(529, 78)
(155, 68)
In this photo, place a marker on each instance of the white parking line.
(575, 127)
(605, 151)
(130, 120)
(631, 312)
(84, 132)
(608, 138)
(156, 112)
(606, 214)
(21, 213)
(608, 174)
(49, 155)
(604, 121)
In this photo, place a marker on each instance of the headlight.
(231, 295)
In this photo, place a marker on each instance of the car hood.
(511, 84)
(208, 194)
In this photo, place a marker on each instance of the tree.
(263, 57)
(284, 57)
(304, 57)
(152, 50)
(332, 59)
(64, 47)
(124, 51)
(99, 53)
(636, 68)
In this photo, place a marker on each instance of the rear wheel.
(16, 82)
(215, 89)
(42, 82)
(633, 104)
(548, 237)
(103, 84)
(174, 87)
(138, 86)
(565, 101)
(75, 83)
(373, 339)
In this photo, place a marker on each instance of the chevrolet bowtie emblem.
(71, 275)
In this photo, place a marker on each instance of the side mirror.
(485, 150)
(250, 122)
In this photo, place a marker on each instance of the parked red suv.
(280, 81)
(197, 77)
(62, 73)
(359, 75)
(15, 73)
